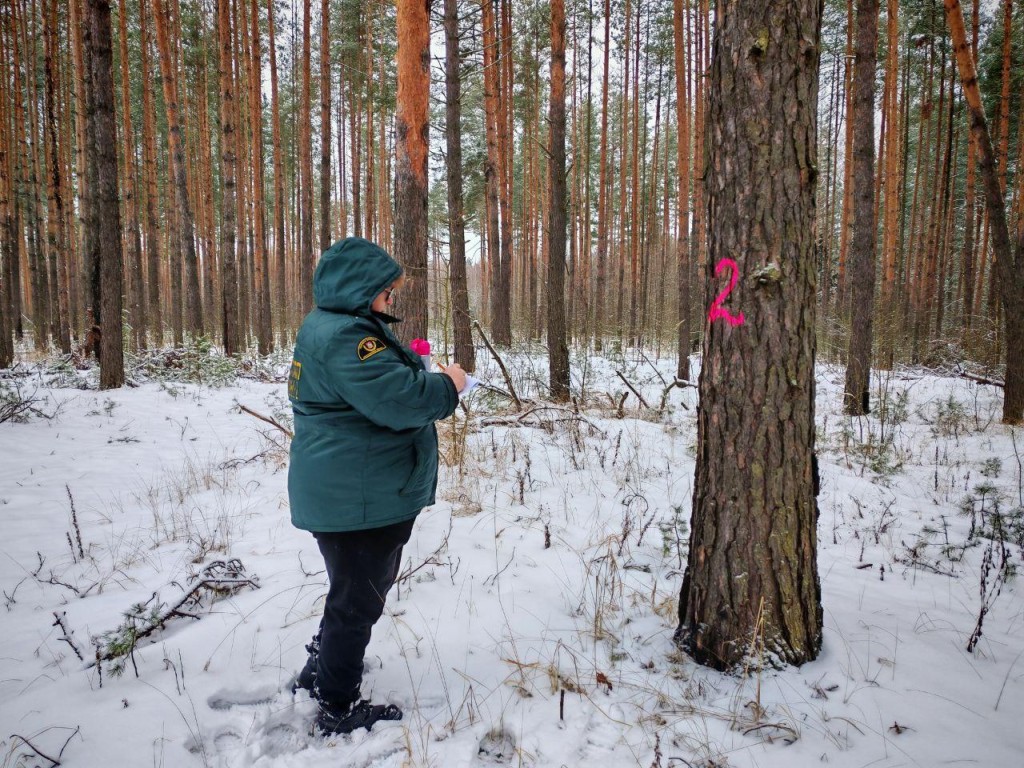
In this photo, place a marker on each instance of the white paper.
(471, 384)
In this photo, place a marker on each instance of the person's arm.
(381, 386)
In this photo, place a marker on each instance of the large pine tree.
(108, 215)
(751, 576)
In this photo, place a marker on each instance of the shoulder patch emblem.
(293, 380)
(369, 347)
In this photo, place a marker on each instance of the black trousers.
(361, 568)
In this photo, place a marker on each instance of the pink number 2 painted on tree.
(717, 311)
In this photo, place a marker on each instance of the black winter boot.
(330, 721)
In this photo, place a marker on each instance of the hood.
(351, 274)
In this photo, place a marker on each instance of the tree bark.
(149, 184)
(264, 327)
(91, 282)
(55, 187)
(501, 298)
(306, 256)
(108, 214)
(846, 218)
(856, 396)
(412, 124)
(40, 259)
(505, 133)
(751, 581)
(280, 262)
(893, 154)
(228, 161)
(136, 290)
(602, 195)
(1009, 259)
(464, 353)
(186, 224)
(325, 125)
(683, 199)
(7, 239)
(558, 350)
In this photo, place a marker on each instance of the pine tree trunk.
(280, 262)
(911, 297)
(325, 125)
(505, 132)
(153, 261)
(1003, 124)
(621, 254)
(929, 257)
(229, 309)
(602, 195)
(355, 129)
(8, 247)
(847, 215)
(55, 187)
(751, 586)
(40, 257)
(108, 214)
(185, 221)
(370, 186)
(700, 270)
(91, 284)
(136, 290)
(412, 127)
(306, 255)
(586, 246)
(202, 183)
(264, 326)
(634, 197)
(1009, 259)
(826, 231)
(683, 204)
(893, 153)
(856, 396)
(558, 350)
(501, 332)
(948, 174)
(343, 110)
(464, 353)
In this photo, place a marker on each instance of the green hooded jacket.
(364, 454)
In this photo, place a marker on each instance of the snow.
(500, 650)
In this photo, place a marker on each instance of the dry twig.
(67, 638)
(501, 365)
(633, 390)
(53, 761)
(268, 419)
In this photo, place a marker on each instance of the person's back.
(363, 462)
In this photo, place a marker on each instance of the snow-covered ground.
(532, 624)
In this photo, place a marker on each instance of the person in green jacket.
(363, 462)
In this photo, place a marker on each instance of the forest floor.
(532, 623)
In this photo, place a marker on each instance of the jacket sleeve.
(382, 387)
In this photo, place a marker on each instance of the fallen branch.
(53, 761)
(67, 638)
(58, 583)
(620, 412)
(979, 379)
(519, 419)
(633, 390)
(501, 365)
(682, 384)
(433, 559)
(218, 578)
(269, 420)
(653, 367)
(15, 407)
